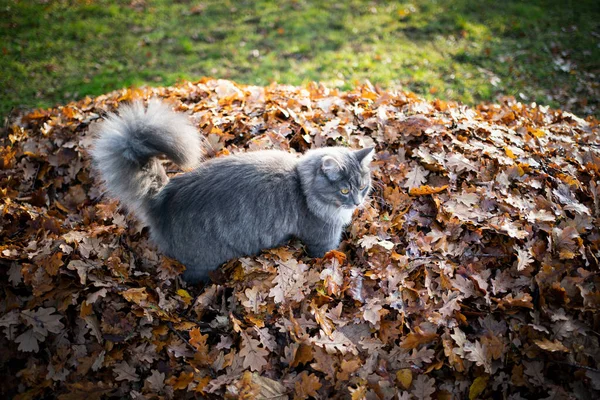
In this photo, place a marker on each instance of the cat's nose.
(356, 200)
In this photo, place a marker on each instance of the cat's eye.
(345, 191)
(363, 187)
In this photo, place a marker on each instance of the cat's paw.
(195, 276)
(317, 251)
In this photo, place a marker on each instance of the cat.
(229, 206)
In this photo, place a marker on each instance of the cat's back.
(264, 162)
(262, 168)
(241, 185)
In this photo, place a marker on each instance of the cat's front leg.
(317, 249)
(196, 274)
(320, 238)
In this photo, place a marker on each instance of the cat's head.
(336, 180)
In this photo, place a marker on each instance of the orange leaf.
(416, 338)
(198, 340)
(426, 190)
(86, 309)
(202, 384)
(338, 255)
(182, 381)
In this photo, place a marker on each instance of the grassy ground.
(468, 50)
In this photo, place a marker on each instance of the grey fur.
(128, 144)
(230, 206)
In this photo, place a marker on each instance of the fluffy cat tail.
(129, 143)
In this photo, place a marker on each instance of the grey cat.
(230, 206)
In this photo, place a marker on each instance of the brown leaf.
(424, 387)
(303, 355)
(347, 368)
(416, 338)
(416, 177)
(306, 386)
(551, 346)
(254, 355)
(124, 372)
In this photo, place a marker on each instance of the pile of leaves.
(471, 273)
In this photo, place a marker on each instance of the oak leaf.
(29, 341)
(415, 177)
(479, 354)
(423, 387)
(43, 320)
(416, 338)
(306, 386)
(125, 372)
(254, 355)
(289, 282)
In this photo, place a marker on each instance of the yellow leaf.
(360, 393)
(538, 133)
(238, 273)
(568, 179)
(403, 13)
(185, 296)
(510, 153)
(478, 386)
(404, 376)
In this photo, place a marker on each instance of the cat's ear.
(365, 156)
(331, 167)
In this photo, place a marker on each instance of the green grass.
(466, 50)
